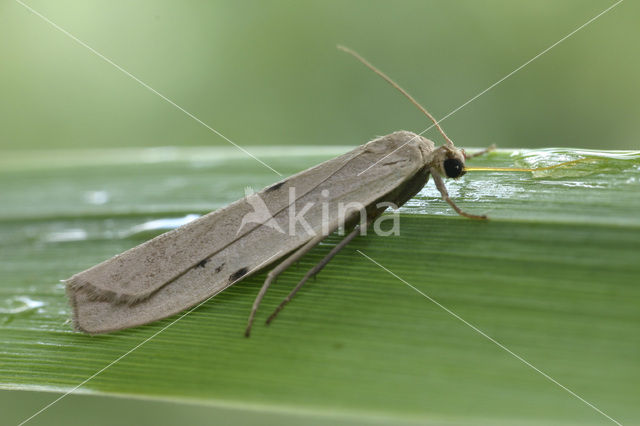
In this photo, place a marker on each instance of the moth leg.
(277, 271)
(479, 153)
(313, 271)
(445, 196)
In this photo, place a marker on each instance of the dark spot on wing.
(219, 268)
(238, 274)
(202, 263)
(276, 186)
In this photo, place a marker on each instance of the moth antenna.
(399, 89)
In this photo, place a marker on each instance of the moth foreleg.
(445, 196)
(313, 271)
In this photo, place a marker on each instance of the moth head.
(449, 162)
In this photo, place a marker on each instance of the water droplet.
(584, 162)
(75, 234)
(160, 225)
(19, 305)
(96, 197)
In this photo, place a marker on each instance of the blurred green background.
(268, 73)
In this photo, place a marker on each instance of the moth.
(188, 265)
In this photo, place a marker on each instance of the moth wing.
(158, 279)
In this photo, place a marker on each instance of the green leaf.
(548, 286)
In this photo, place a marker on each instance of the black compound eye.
(453, 168)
